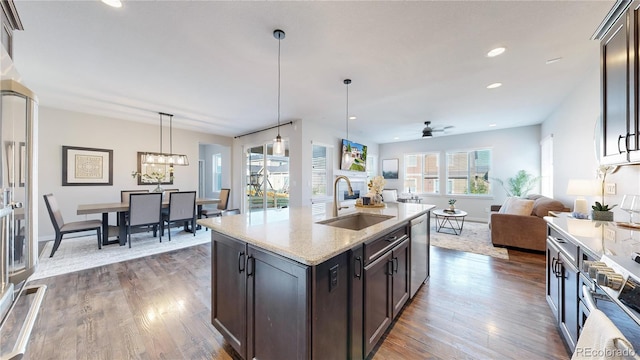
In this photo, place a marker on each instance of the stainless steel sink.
(357, 221)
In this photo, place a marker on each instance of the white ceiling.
(214, 64)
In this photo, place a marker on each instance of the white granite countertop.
(293, 232)
(601, 239)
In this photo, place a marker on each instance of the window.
(321, 173)
(216, 162)
(422, 173)
(468, 172)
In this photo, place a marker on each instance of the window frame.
(420, 160)
(448, 187)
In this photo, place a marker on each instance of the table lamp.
(581, 188)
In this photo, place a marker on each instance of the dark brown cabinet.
(386, 290)
(256, 298)
(618, 35)
(562, 286)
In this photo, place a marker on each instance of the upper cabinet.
(10, 22)
(619, 35)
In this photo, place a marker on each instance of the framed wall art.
(390, 168)
(153, 174)
(86, 166)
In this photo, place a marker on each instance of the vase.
(602, 215)
(377, 199)
(452, 207)
(158, 189)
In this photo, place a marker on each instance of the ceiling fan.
(428, 130)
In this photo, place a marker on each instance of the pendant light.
(347, 154)
(160, 158)
(278, 145)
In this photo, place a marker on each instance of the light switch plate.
(610, 188)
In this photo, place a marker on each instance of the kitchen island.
(285, 285)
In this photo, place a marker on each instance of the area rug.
(474, 238)
(82, 253)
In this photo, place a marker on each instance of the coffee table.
(445, 217)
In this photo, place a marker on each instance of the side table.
(445, 218)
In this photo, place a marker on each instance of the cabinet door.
(278, 307)
(634, 72)
(228, 290)
(553, 281)
(568, 315)
(377, 300)
(615, 93)
(401, 276)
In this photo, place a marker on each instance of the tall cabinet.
(619, 140)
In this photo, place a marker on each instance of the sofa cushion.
(518, 206)
(543, 205)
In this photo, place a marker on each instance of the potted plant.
(452, 204)
(519, 185)
(601, 211)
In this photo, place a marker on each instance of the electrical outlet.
(333, 277)
(610, 188)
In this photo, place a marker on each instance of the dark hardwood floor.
(473, 307)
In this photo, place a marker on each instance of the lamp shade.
(582, 187)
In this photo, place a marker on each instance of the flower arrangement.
(154, 176)
(452, 201)
(376, 184)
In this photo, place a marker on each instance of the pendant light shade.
(161, 158)
(278, 144)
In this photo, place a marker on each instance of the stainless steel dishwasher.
(420, 233)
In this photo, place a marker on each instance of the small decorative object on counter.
(601, 212)
(376, 184)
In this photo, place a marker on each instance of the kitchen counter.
(295, 234)
(601, 239)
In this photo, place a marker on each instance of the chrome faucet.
(335, 194)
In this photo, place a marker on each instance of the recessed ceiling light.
(492, 125)
(551, 61)
(352, 117)
(113, 3)
(495, 52)
(396, 138)
(494, 85)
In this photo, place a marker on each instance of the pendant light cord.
(279, 40)
(347, 82)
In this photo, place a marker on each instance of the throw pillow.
(519, 206)
(389, 196)
(543, 205)
(505, 205)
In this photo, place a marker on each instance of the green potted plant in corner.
(601, 211)
(519, 185)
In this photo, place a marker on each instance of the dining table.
(121, 208)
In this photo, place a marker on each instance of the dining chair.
(145, 209)
(231, 212)
(182, 207)
(62, 228)
(222, 205)
(124, 194)
(124, 198)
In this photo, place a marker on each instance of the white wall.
(512, 150)
(206, 155)
(125, 138)
(572, 126)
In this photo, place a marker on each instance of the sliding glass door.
(267, 178)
